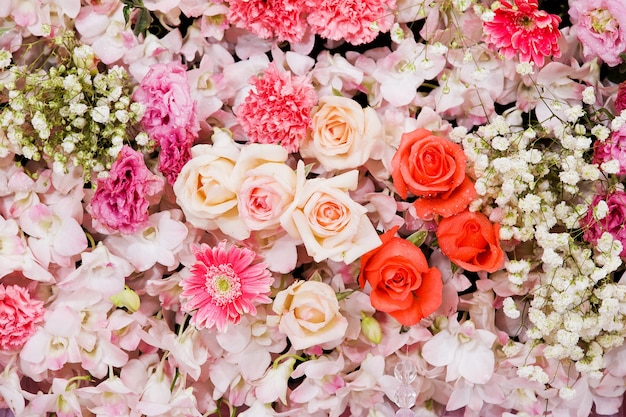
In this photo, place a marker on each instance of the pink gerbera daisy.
(521, 28)
(224, 284)
(278, 109)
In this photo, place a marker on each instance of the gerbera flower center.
(222, 284)
(526, 23)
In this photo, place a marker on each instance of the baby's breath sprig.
(539, 181)
(64, 110)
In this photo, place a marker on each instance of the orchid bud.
(126, 298)
(371, 328)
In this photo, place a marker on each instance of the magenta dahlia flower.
(520, 28)
(225, 283)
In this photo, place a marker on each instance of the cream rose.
(330, 224)
(309, 315)
(207, 187)
(343, 133)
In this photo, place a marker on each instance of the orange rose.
(402, 283)
(433, 168)
(471, 241)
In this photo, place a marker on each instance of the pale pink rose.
(329, 222)
(601, 28)
(309, 315)
(19, 314)
(342, 134)
(264, 195)
(120, 202)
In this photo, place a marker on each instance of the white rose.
(343, 133)
(327, 220)
(309, 315)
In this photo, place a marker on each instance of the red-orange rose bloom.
(433, 168)
(471, 241)
(403, 285)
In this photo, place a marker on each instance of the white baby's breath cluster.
(537, 183)
(69, 113)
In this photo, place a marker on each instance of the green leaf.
(336, 92)
(126, 11)
(316, 277)
(143, 22)
(344, 294)
(418, 238)
(307, 169)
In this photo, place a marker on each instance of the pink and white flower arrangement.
(337, 208)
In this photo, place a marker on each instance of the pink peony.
(614, 148)
(18, 316)
(224, 284)
(356, 21)
(278, 109)
(120, 201)
(521, 28)
(612, 223)
(171, 115)
(601, 28)
(283, 19)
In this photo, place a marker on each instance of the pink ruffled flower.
(614, 148)
(601, 28)
(18, 316)
(521, 29)
(225, 283)
(620, 100)
(120, 202)
(278, 109)
(283, 19)
(171, 115)
(356, 21)
(613, 222)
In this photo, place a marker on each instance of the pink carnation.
(521, 28)
(278, 109)
(120, 201)
(171, 115)
(174, 154)
(356, 21)
(601, 28)
(283, 19)
(18, 316)
(614, 148)
(612, 223)
(224, 284)
(620, 99)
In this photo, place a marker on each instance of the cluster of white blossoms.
(538, 184)
(70, 113)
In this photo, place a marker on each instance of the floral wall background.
(312, 208)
